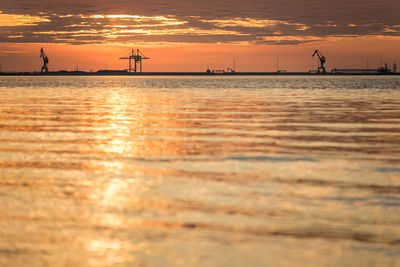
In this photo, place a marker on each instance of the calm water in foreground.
(200, 171)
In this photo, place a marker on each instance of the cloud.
(19, 20)
(188, 21)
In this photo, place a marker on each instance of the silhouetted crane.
(137, 58)
(45, 60)
(322, 60)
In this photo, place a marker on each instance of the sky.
(193, 35)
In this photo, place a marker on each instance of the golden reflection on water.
(112, 170)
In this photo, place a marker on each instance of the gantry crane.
(322, 60)
(45, 60)
(137, 57)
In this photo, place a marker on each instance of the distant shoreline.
(125, 73)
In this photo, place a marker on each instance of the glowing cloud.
(243, 22)
(20, 20)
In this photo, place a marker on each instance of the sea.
(200, 171)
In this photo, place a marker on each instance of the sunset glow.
(256, 32)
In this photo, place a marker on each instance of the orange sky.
(192, 35)
(343, 53)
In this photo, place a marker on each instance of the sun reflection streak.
(118, 123)
(112, 194)
(108, 251)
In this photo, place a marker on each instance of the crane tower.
(136, 57)
(322, 60)
(45, 60)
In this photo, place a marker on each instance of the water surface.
(200, 171)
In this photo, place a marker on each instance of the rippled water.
(200, 171)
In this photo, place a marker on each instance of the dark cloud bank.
(189, 21)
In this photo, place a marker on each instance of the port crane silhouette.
(136, 57)
(322, 60)
(45, 60)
